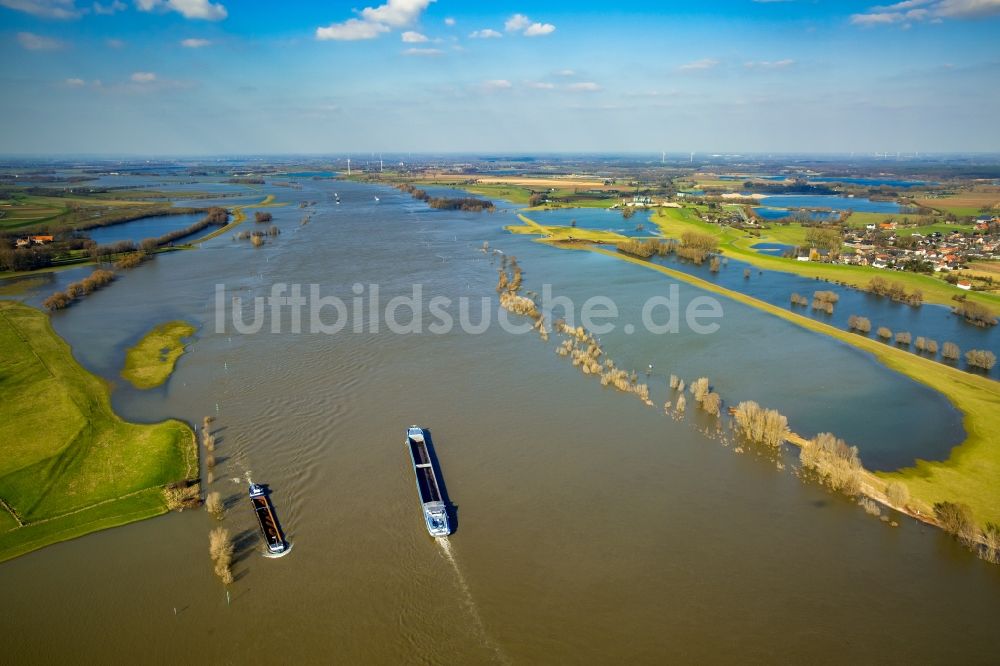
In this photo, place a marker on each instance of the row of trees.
(79, 289)
(696, 246)
(447, 203)
(461, 203)
(896, 291)
(130, 260)
(644, 249)
(220, 546)
(760, 425)
(975, 313)
(957, 519)
(836, 463)
(975, 358)
(217, 217)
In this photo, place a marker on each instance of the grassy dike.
(969, 475)
(68, 464)
(971, 472)
(151, 361)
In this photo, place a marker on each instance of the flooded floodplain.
(588, 527)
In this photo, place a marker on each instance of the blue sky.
(226, 77)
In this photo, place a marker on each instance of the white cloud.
(190, 9)
(57, 9)
(524, 25)
(423, 52)
(396, 13)
(496, 85)
(583, 86)
(485, 33)
(375, 20)
(449, 21)
(539, 29)
(351, 30)
(115, 43)
(542, 85)
(75, 83)
(769, 64)
(566, 72)
(33, 42)
(516, 23)
(968, 9)
(195, 43)
(143, 77)
(699, 65)
(112, 7)
(411, 37)
(908, 12)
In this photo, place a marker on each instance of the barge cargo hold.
(269, 528)
(431, 501)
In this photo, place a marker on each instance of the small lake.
(141, 229)
(831, 202)
(773, 248)
(309, 174)
(874, 182)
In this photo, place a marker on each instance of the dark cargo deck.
(268, 523)
(426, 480)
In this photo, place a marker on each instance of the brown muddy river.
(590, 528)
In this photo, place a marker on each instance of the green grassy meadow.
(68, 464)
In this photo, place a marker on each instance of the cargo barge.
(431, 502)
(274, 539)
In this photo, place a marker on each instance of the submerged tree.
(711, 403)
(981, 358)
(759, 425)
(214, 505)
(220, 549)
(699, 388)
(834, 461)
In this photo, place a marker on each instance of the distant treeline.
(34, 257)
(447, 203)
(253, 180)
(796, 187)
